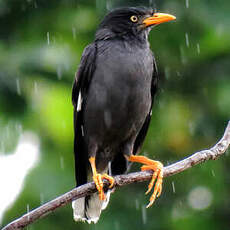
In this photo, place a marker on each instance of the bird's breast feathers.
(122, 61)
(120, 91)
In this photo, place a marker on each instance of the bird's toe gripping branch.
(98, 179)
(157, 177)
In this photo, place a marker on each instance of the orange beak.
(158, 18)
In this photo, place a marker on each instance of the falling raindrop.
(187, 39)
(108, 5)
(187, 3)
(178, 74)
(74, 33)
(59, 72)
(173, 187)
(191, 127)
(167, 72)
(198, 48)
(48, 38)
(28, 210)
(179, 211)
(144, 214)
(182, 55)
(82, 130)
(62, 162)
(35, 5)
(110, 169)
(18, 86)
(213, 173)
(150, 2)
(41, 198)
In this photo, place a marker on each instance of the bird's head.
(131, 21)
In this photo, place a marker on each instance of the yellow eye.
(134, 18)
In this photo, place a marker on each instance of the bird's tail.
(89, 208)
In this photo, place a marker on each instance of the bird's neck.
(140, 39)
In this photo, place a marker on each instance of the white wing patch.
(79, 102)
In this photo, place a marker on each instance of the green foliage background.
(40, 48)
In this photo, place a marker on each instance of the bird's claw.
(98, 180)
(109, 178)
(157, 178)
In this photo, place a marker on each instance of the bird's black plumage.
(113, 95)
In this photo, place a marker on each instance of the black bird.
(113, 95)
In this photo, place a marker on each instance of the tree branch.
(121, 180)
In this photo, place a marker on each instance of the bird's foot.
(98, 179)
(157, 178)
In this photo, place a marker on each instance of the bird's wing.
(79, 95)
(142, 134)
(84, 73)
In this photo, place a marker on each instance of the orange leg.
(157, 177)
(98, 179)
